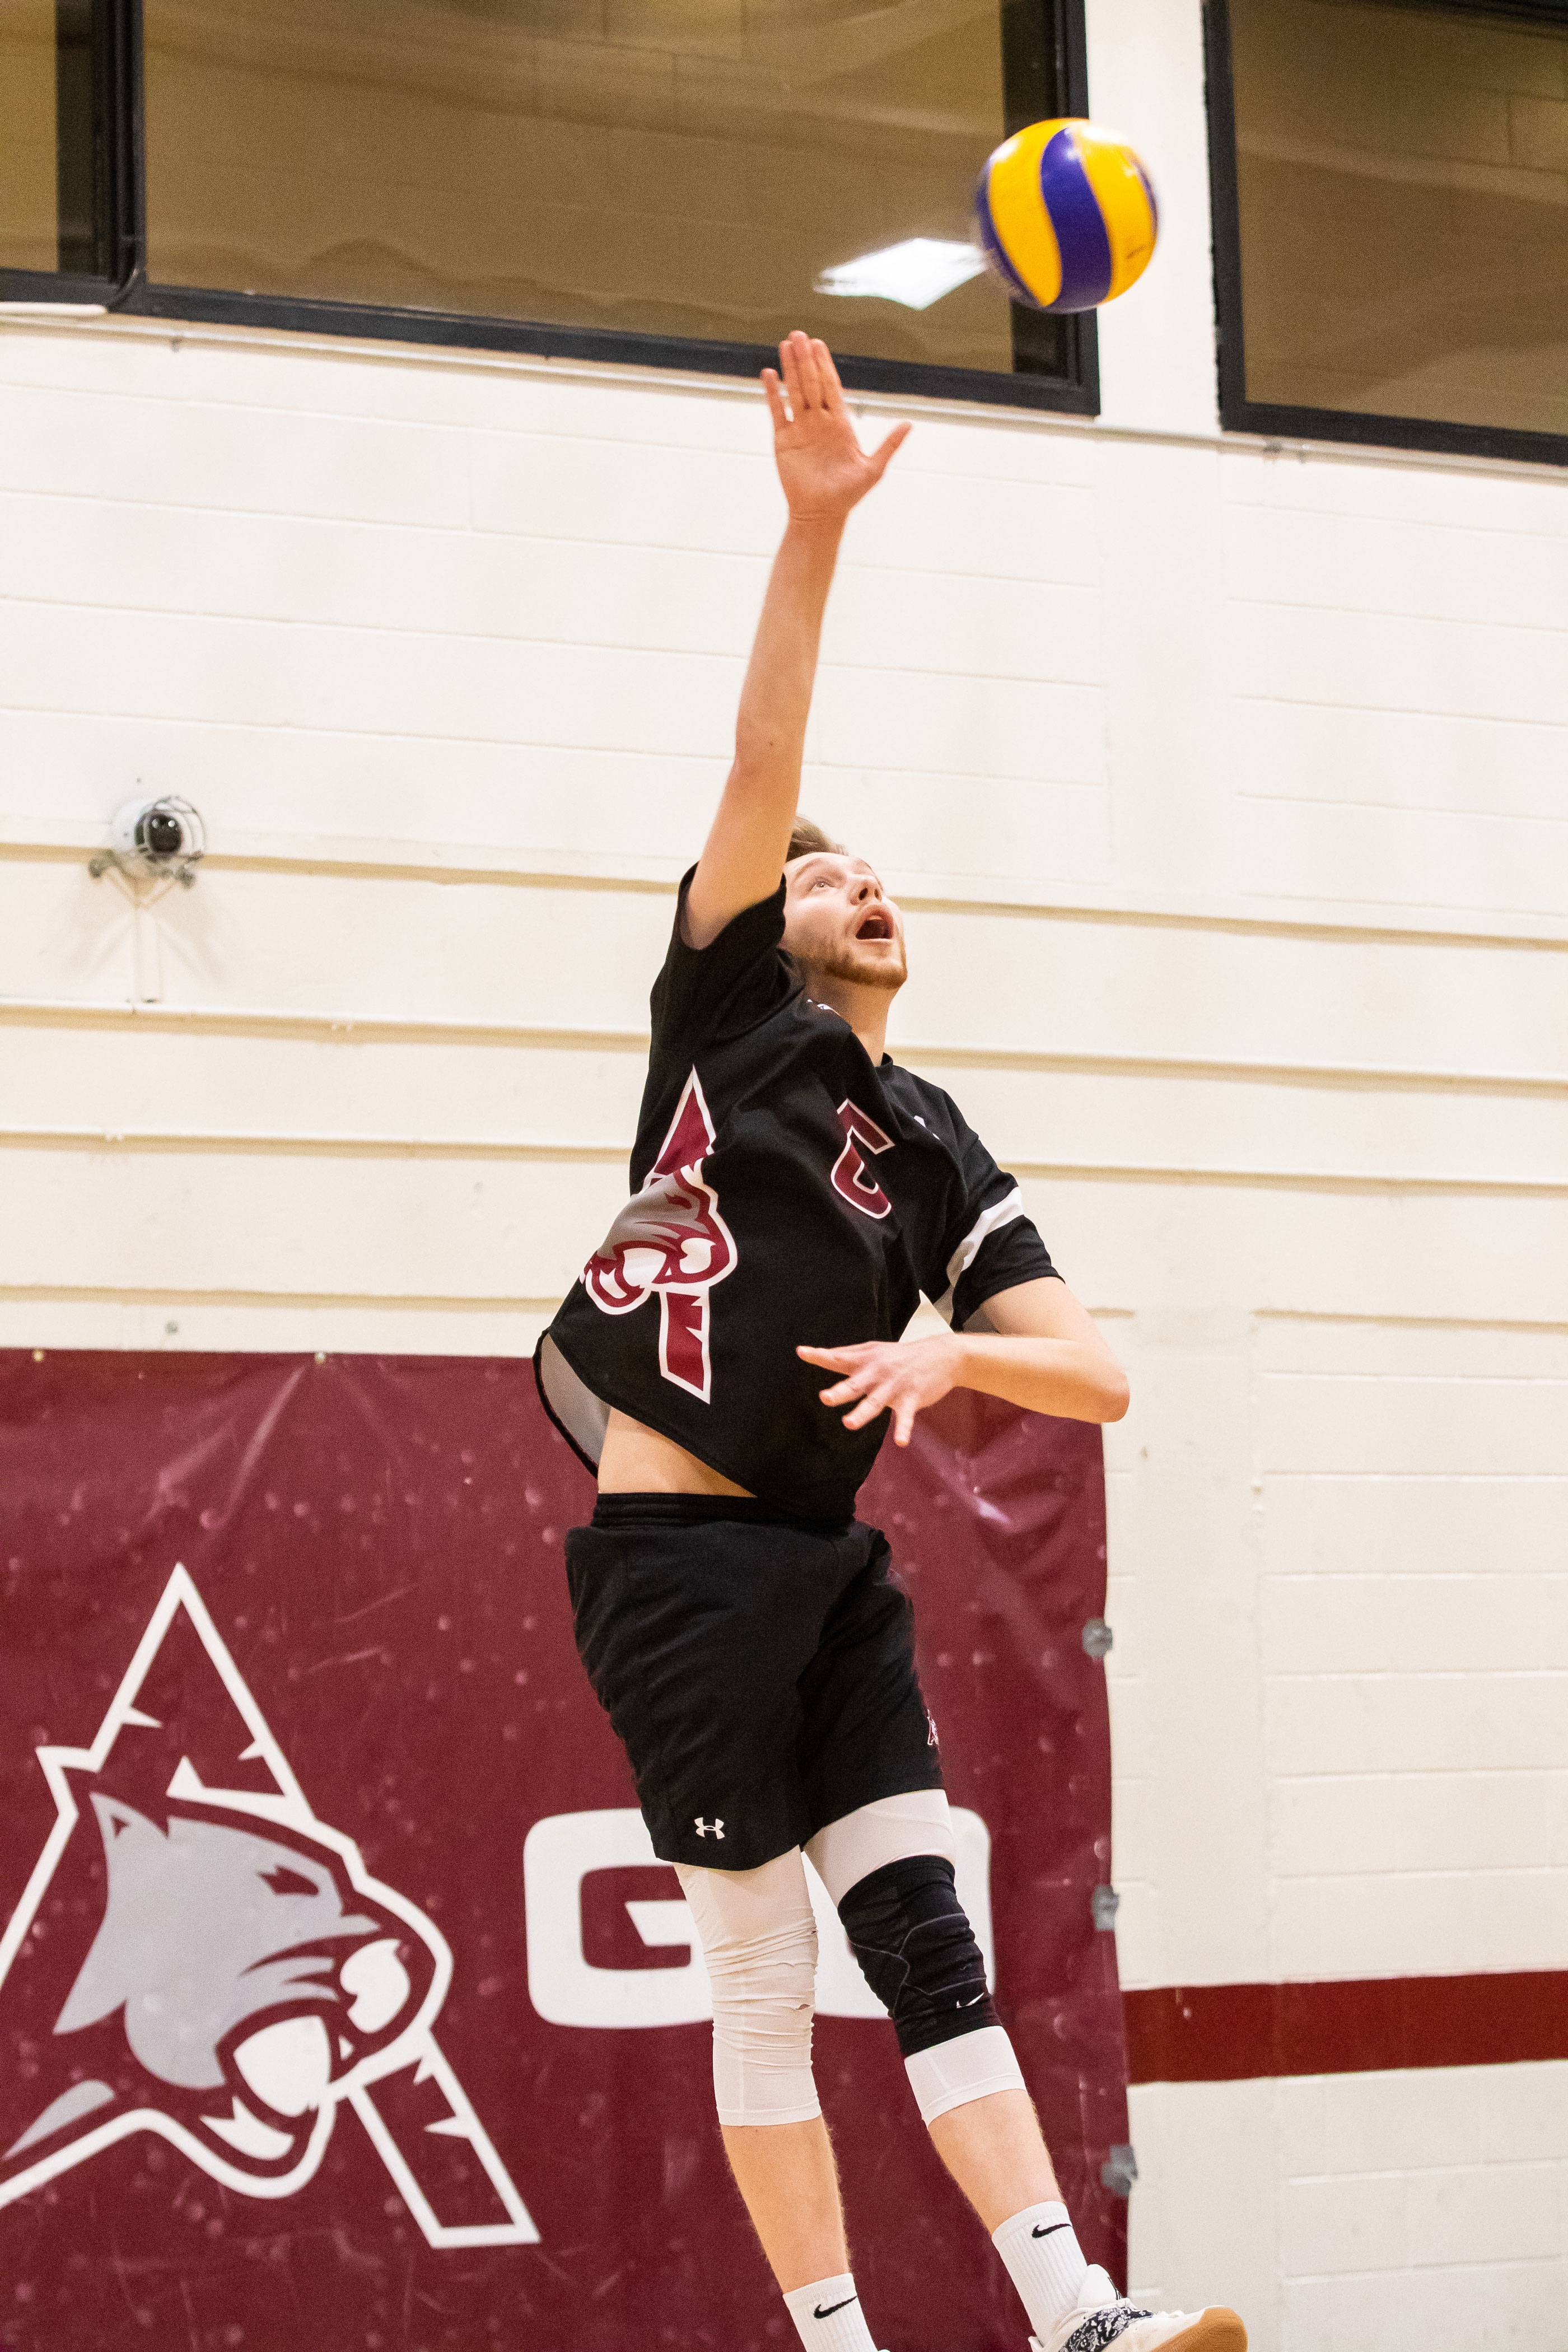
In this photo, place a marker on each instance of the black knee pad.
(917, 1951)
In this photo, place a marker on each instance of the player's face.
(839, 921)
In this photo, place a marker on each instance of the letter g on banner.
(563, 1985)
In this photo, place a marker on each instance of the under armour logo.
(705, 1829)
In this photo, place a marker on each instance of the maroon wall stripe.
(1228, 2034)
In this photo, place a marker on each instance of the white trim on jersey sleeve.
(989, 1221)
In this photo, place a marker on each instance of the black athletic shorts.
(758, 1670)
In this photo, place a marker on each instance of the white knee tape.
(890, 1830)
(759, 1939)
(970, 2066)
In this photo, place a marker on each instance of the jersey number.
(851, 1177)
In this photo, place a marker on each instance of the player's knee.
(759, 1940)
(917, 1951)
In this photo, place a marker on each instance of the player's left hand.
(889, 1376)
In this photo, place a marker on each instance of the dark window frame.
(121, 283)
(1273, 419)
(98, 161)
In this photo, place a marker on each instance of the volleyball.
(1067, 214)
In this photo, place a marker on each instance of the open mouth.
(287, 2068)
(874, 925)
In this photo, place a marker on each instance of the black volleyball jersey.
(787, 1191)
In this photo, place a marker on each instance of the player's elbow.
(1115, 1392)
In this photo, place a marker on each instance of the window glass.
(676, 167)
(29, 215)
(1402, 180)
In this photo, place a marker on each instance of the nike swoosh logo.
(820, 2313)
(1038, 2233)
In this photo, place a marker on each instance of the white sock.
(829, 2317)
(1044, 2262)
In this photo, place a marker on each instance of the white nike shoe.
(1100, 2317)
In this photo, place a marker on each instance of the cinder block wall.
(1224, 788)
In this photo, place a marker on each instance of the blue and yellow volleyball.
(1068, 215)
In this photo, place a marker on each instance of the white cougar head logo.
(199, 1956)
(242, 1976)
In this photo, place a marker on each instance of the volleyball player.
(796, 1191)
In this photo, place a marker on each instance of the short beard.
(880, 972)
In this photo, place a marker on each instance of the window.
(1390, 220)
(28, 136)
(65, 215)
(677, 182)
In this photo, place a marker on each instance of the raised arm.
(823, 472)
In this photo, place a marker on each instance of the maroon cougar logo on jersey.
(198, 1955)
(670, 1238)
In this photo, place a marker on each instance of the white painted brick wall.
(1406, 2209)
(1225, 790)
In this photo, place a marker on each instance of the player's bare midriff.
(636, 1460)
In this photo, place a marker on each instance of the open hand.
(889, 1376)
(822, 468)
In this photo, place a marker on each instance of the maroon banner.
(342, 2003)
